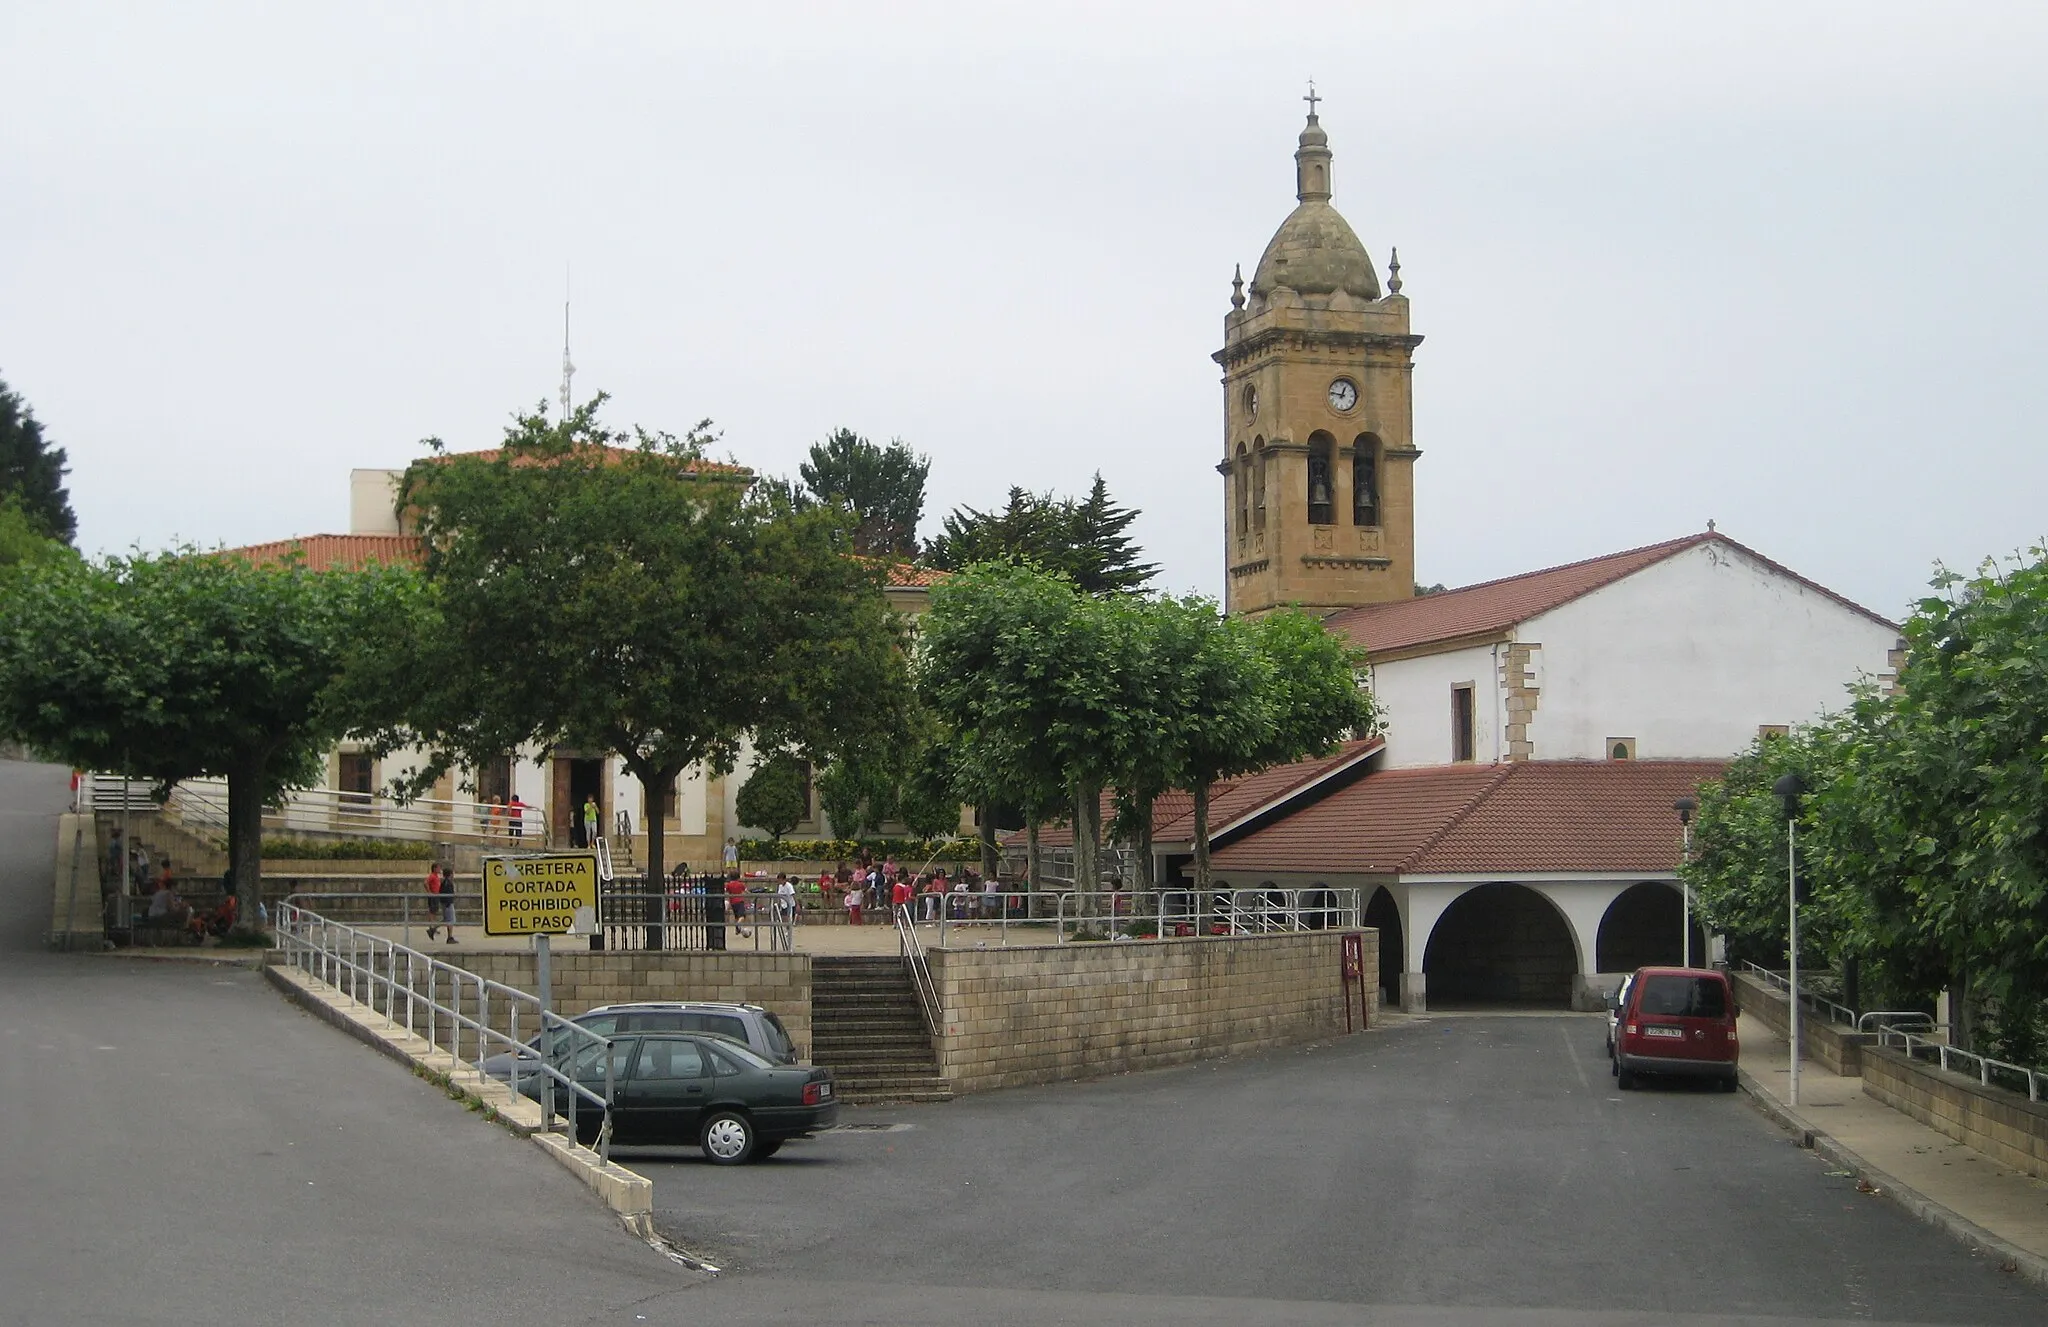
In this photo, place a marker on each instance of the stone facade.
(583, 980)
(1316, 403)
(1520, 692)
(1045, 1013)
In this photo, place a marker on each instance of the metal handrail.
(1911, 1043)
(1915, 1016)
(920, 969)
(202, 804)
(1242, 911)
(1837, 1013)
(348, 959)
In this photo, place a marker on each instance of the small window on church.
(1259, 484)
(1322, 504)
(1621, 748)
(1461, 723)
(1365, 480)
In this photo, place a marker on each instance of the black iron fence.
(688, 912)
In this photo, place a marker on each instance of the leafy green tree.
(22, 538)
(32, 471)
(774, 797)
(884, 487)
(1083, 541)
(196, 664)
(614, 591)
(859, 790)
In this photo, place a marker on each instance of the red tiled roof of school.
(1173, 812)
(1492, 607)
(347, 552)
(910, 575)
(1554, 815)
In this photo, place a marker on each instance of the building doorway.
(1501, 944)
(1644, 926)
(577, 778)
(1384, 915)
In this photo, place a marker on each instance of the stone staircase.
(866, 1028)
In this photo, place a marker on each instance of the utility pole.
(1789, 790)
(568, 367)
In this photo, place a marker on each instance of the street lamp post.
(1789, 790)
(1685, 806)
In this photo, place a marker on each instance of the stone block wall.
(1044, 1013)
(583, 980)
(2001, 1124)
(1828, 1043)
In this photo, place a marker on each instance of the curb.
(2027, 1265)
(626, 1192)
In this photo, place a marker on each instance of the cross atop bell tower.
(1319, 455)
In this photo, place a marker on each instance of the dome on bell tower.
(1315, 252)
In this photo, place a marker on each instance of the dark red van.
(1677, 1021)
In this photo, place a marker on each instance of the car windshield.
(1683, 997)
(778, 1036)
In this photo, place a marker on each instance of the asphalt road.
(1461, 1164)
(178, 1145)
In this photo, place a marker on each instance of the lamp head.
(1789, 789)
(1685, 806)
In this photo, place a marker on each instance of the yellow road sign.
(537, 895)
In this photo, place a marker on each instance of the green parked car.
(673, 1089)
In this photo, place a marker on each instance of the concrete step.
(910, 1029)
(835, 1056)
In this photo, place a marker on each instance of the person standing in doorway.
(591, 826)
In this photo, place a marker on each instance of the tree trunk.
(1202, 845)
(1962, 1008)
(1087, 843)
(245, 841)
(985, 832)
(1147, 881)
(654, 788)
(1034, 875)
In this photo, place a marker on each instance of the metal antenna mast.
(568, 367)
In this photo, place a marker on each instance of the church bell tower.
(1319, 454)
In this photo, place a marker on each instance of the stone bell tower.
(1318, 447)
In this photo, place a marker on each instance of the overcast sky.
(1774, 264)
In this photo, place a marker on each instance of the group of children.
(886, 886)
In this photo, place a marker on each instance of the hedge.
(907, 852)
(339, 850)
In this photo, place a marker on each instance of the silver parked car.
(759, 1030)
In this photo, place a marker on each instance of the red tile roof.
(349, 552)
(1173, 812)
(908, 575)
(1492, 607)
(1556, 815)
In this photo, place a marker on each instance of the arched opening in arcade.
(1384, 916)
(1501, 944)
(1645, 925)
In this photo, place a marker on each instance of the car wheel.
(762, 1151)
(1625, 1079)
(728, 1138)
(1729, 1084)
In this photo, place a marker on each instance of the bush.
(347, 850)
(908, 852)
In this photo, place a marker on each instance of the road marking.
(1572, 1048)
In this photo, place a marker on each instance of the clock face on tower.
(1343, 394)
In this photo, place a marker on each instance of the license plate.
(824, 1091)
(1677, 1033)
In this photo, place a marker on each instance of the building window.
(1241, 483)
(1365, 480)
(1461, 722)
(1322, 502)
(1621, 748)
(1258, 483)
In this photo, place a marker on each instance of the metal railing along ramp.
(201, 807)
(471, 1017)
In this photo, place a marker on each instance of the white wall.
(690, 799)
(1415, 701)
(373, 503)
(1691, 655)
